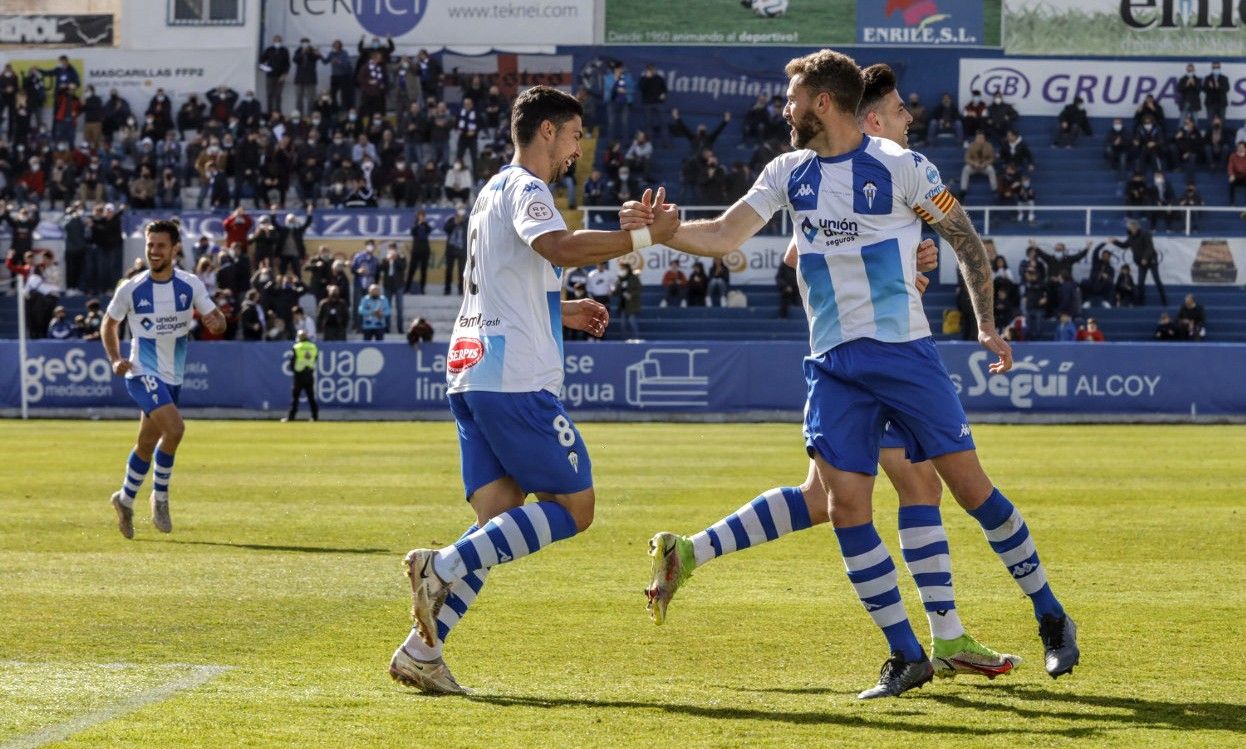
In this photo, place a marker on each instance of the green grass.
(1076, 32)
(285, 566)
(807, 22)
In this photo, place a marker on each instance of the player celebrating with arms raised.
(856, 202)
(158, 305)
(505, 370)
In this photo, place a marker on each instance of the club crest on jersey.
(932, 175)
(540, 212)
(869, 190)
(574, 460)
(465, 353)
(804, 191)
(181, 300)
(808, 229)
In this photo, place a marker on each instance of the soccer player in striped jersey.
(159, 306)
(856, 201)
(505, 370)
(923, 541)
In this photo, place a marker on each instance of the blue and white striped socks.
(160, 477)
(923, 542)
(512, 535)
(135, 473)
(1010, 538)
(775, 513)
(873, 575)
(462, 593)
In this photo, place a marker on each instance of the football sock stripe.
(873, 576)
(923, 543)
(773, 514)
(1009, 536)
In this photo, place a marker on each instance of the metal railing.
(781, 224)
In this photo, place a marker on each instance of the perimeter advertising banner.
(1182, 261)
(137, 75)
(1109, 89)
(57, 30)
(798, 22)
(1112, 28)
(686, 377)
(920, 22)
(434, 23)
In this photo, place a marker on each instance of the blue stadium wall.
(1167, 381)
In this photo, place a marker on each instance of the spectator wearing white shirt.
(600, 281)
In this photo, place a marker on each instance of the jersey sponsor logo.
(870, 191)
(478, 320)
(540, 212)
(146, 323)
(932, 175)
(465, 353)
(804, 191)
(933, 192)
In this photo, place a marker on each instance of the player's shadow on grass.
(1179, 714)
(275, 547)
(846, 719)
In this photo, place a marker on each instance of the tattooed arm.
(975, 266)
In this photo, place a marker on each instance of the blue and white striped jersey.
(857, 220)
(159, 314)
(508, 336)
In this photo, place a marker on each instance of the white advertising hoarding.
(1182, 260)
(1110, 89)
(137, 75)
(434, 23)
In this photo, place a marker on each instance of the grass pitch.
(284, 568)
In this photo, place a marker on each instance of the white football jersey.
(159, 314)
(508, 335)
(857, 223)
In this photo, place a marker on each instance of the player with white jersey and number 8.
(505, 370)
(159, 306)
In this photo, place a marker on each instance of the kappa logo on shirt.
(540, 212)
(804, 191)
(531, 187)
(143, 303)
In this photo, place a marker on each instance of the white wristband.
(641, 238)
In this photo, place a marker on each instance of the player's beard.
(561, 167)
(806, 129)
(161, 266)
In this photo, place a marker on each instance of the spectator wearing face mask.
(973, 115)
(275, 62)
(1116, 146)
(306, 59)
(1216, 93)
(1190, 93)
(1073, 122)
(1161, 196)
(458, 183)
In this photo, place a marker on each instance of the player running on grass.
(505, 369)
(855, 201)
(923, 541)
(159, 306)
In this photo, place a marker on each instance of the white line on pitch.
(199, 675)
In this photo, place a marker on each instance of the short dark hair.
(879, 81)
(831, 72)
(170, 226)
(538, 104)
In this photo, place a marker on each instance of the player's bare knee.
(815, 501)
(583, 517)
